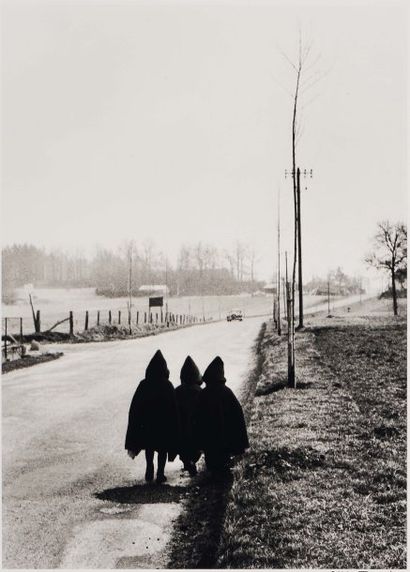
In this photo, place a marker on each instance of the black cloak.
(153, 421)
(187, 398)
(219, 421)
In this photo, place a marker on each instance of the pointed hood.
(190, 373)
(157, 367)
(214, 373)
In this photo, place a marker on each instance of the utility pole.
(278, 288)
(130, 278)
(300, 281)
(306, 173)
(328, 298)
(291, 331)
(166, 285)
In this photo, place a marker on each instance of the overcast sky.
(171, 120)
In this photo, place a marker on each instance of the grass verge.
(324, 485)
(28, 361)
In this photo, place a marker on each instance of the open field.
(324, 484)
(55, 305)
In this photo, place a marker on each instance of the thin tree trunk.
(295, 236)
(393, 288)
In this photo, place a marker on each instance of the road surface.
(71, 496)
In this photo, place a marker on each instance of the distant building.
(160, 289)
(269, 289)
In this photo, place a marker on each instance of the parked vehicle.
(234, 315)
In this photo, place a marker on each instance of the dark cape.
(187, 398)
(219, 421)
(153, 421)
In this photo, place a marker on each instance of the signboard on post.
(156, 301)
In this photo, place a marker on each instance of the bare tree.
(148, 248)
(390, 253)
(304, 76)
(303, 81)
(231, 261)
(240, 255)
(252, 262)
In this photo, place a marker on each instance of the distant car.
(234, 315)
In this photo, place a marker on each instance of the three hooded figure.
(187, 395)
(153, 421)
(220, 429)
(185, 420)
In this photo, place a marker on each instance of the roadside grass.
(324, 485)
(28, 361)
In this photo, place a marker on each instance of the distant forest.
(200, 269)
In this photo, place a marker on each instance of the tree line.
(337, 283)
(200, 269)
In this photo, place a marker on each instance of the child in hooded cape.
(187, 397)
(219, 422)
(153, 422)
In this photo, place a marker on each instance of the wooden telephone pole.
(298, 231)
(278, 287)
(300, 280)
(130, 279)
(291, 330)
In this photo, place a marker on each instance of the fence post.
(71, 323)
(119, 316)
(145, 317)
(98, 318)
(138, 315)
(109, 317)
(21, 330)
(38, 322)
(86, 320)
(156, 317)
(162, 317)
(5, 339)
(129, 321)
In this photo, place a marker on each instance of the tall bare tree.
(304, 79)
(390, 253)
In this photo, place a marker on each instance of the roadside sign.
(157, 301)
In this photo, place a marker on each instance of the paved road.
(63, 432)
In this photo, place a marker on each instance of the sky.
(172, 120)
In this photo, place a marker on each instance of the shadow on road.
(202, 520)
(143, 494)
